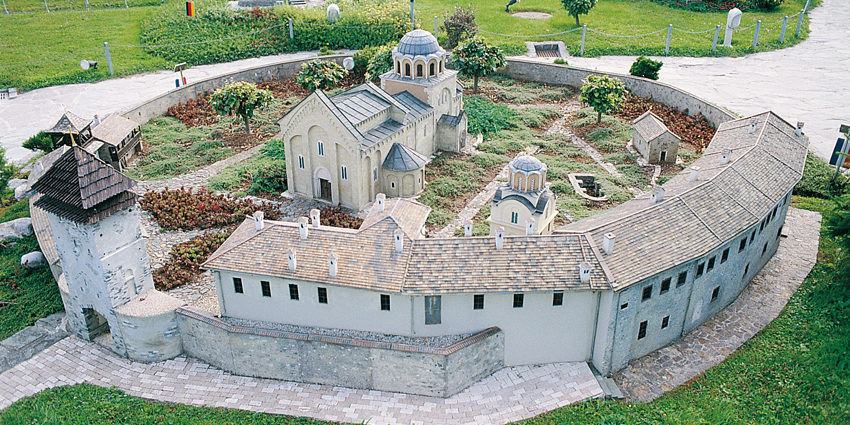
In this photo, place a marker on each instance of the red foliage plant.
(184, 209)
(694, 130)
(337, 217)
(194, 112)
(184, 264)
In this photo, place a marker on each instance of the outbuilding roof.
(649, 126)
(69, 122)
(409, 215)
(113, 129)
(402, 158)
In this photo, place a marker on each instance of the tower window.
(433, 69)
(514, 217)
(385, 302)
(724, 256)
(642, 330)
(323, 295)
(343, 170)
(715, 293)
(266, 288)
(237, 285)
(407, 70)
(683, 277)
(518, 300)
(478, 302)
(432, 310)
(558, 298)
(419, 70)
(293, 292)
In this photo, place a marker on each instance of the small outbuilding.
(653, 140)
(404, 171)
(113, 140)
(524, 205)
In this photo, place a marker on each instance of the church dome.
(527, 163)
(528, 174)
(418, 43)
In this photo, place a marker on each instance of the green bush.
(560, 61)
(603, 93)
(485, 117)
(477, 59)
(819, 179)
(380, 62)
(320, 74)
(723, 5)
(362, 57)
(41, 141)
(645, 67)
(26, 295)
(459, 26)
(269, 179)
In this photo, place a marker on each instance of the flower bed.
(184, 264)
(187, 210)
(338, 217)
(693, 130)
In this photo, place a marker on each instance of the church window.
(724, 256)
(392, 185)
(518, 300)
(301, 161)
(321, 148)
(385, 302)
(683, 277)
(433, 69)
(432, 310)
(761, 226)
(700, 269)
(665, 322)
(711, 264)
(624, 306)
(293, 292)
(407, 70)
(266, 287)
(237, 285)
(478, 302)
(665, 285)
(763, 250)
(343, 170)
(558, 298)
(397, 67)
(323, 295)
(419, 70)
(715, 293)
(514, 217)
(375, 174)
(441, 66)
(753, 236)
(647, 293)
(642, 330)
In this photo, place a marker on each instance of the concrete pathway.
(760, 302)
(508, 395)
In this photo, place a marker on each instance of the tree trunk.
(598, 117)
(475, 84)
(578, 24)
(247, 125)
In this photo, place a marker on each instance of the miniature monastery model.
(524, 205)
(368, 140)
(382, 307)
(653, 140)
(114, 139)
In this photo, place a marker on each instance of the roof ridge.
(338, 114)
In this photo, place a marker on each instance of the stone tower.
(524, 205)
(105, 278)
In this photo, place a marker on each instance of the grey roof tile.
(402, 158)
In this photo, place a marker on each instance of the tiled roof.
(113, 129)
(402, 158)
(43, 232)
(360, 106)
(416, 107)
(450, 120)
(67, 121)
(649, 126)
(535, 201)
(409, 215)
(695, 217)
(383, 131)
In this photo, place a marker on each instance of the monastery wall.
(347, 362)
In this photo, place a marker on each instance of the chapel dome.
(418, 43)
(528, 174)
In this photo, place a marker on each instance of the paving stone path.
(508, 395)
(759, 303)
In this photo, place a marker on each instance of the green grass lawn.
(795, 371)
(17, 6)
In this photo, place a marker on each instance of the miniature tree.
(603, 94)
(240, 98)
(578, 7)
(320, 75)
(477, 59)
(459, 26)
(41, 141)
(646, 67)
(7, 170)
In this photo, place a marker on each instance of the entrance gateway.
(325, 190)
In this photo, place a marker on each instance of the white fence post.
(669, 34)
(87, 5)
(583, 32)
(799, 23)
(714, 42)
(782, 31)
(291, 32)
(436, 25)
(108, 58)
(756, 36)
(45, 6)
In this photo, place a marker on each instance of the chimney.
(333, 259)
(290, 258)
(656, 195)
(96, 120)
(753, 124)
(302, 227)
(694, 173)
(799, 131)
(584, 272)
(608, 243)
(725, 156)
(467, 229)
(379, 201)
(258, 220)
(399, 240)
(529, 226)
(314, 217)
(500, 237)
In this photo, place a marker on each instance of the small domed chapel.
(348, 148)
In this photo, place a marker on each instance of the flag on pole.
(839, 154)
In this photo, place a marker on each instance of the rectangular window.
(743, 244)
(558, 298)
(763, 250)
(724, 256)
(301, 162)
(700, 269)
(683, 277)
(293, 292)
(779, 232)
(711, 264)
(323, 295)
(518, 299)
(753, 236)
(624, 306)
(647, 293)
(237, 285)
(432, 310)
(321, 148)
(343, 170)
(385, 302)
(375, 174)
(642, 330)
(665, 285)
(761, 226)
(478, 302)
(665, 322)
(715, 293)
(266, 287)
(514, 217)
(746, 270)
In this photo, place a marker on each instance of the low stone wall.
(531, 70)
(346, 362)
(159, 105)
(31, 340)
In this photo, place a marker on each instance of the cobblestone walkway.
(508, 395)
(761, 301)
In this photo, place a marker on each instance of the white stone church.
(348, 148)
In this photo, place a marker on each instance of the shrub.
(380, 62)
(7, 170)
(184, 209)
(337, 217)
(819, 179)
(184, 264)
(578, 7)
(270, 178)
(362, 57)
(645, 67)
(320, 75)
(603, 93)
(477, 59)
(275, 148)
(485, 117)
(722, 5)
(41, 141)
(459, 26)
(560, 61)
(240, 98)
